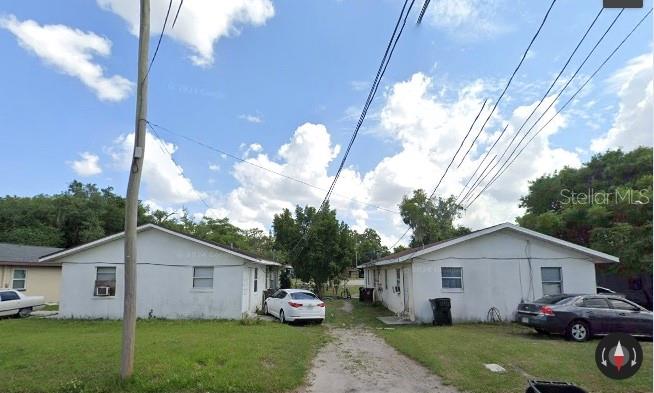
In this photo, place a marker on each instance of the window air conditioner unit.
(102, 291)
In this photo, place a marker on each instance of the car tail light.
(295, 305)
(321, 304)
(546, 310)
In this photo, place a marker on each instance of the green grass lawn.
(50, 307)
(458, 354)
(45, 355)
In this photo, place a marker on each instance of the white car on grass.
(291, 305)
(13, 302)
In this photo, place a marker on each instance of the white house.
(499, 267)
(178, 276)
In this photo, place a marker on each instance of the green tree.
(606, 204)
(431, 220)
(315, 243)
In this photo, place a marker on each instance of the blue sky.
(281, 84)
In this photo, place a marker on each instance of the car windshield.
(303, 296)
(554, 299)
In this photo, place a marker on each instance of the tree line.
(606, 205)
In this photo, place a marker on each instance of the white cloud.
(632, 126)
(251, 118)
(200, 23)
(164, 180)
(467, 19)
(214, 167)
(88, 165)
(71, 52)
(427, 128)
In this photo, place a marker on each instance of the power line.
(177, 14)
(388, 54)
(532, 112)
(448, 166)
(522, 59)
(163, 30)
(237, 158)
(489, 116)
(165, 150)
(371, 95)
(502, 170)
(423, 10)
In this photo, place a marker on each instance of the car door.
(598, 312)
(629, 318)
(9, 303)
(276, 302)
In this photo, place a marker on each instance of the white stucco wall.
(394, 301)
(500, 282)
(496, 283)
(162, 290)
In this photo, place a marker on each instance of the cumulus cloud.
(87, 165)
(200, 23)
(427, 127)
(164, 180)
(70, 51)
(467, 19)
(632, 126)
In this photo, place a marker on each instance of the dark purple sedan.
(580, 317)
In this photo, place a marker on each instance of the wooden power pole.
(132, 202)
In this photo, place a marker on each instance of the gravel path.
(356, 360)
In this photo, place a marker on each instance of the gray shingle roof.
(21, 253)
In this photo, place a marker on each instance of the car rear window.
(553, 299)
(303, 296)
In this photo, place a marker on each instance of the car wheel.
(579, 331)
(24, 312)
(281, 316)
(265, 309)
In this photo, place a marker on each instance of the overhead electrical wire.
(508, 83)
(255, 165)
(556, 98)
(503, 170)
(388, 54)
(163, 30)
(524, 55)
(558, 76)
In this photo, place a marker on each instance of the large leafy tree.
(431, 220)
(605, 205)
(315, 243)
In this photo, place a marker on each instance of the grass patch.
(47, 355)
(362, 314)
(458, 354)
(50, 307)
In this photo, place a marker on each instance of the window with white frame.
(256, 279)
(105, 281)
(203, 277)
(552, 280)
(19, 279)
(451, 277)
(397, 280)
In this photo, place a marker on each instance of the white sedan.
(295, 305)
(13, 302)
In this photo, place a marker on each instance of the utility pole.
(132, 201)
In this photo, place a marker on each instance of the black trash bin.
(553, 387)
(366, 295)
(441, 308)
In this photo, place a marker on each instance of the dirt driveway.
(358, 361)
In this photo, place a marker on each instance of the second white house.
(178, 276)
(486, 272)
